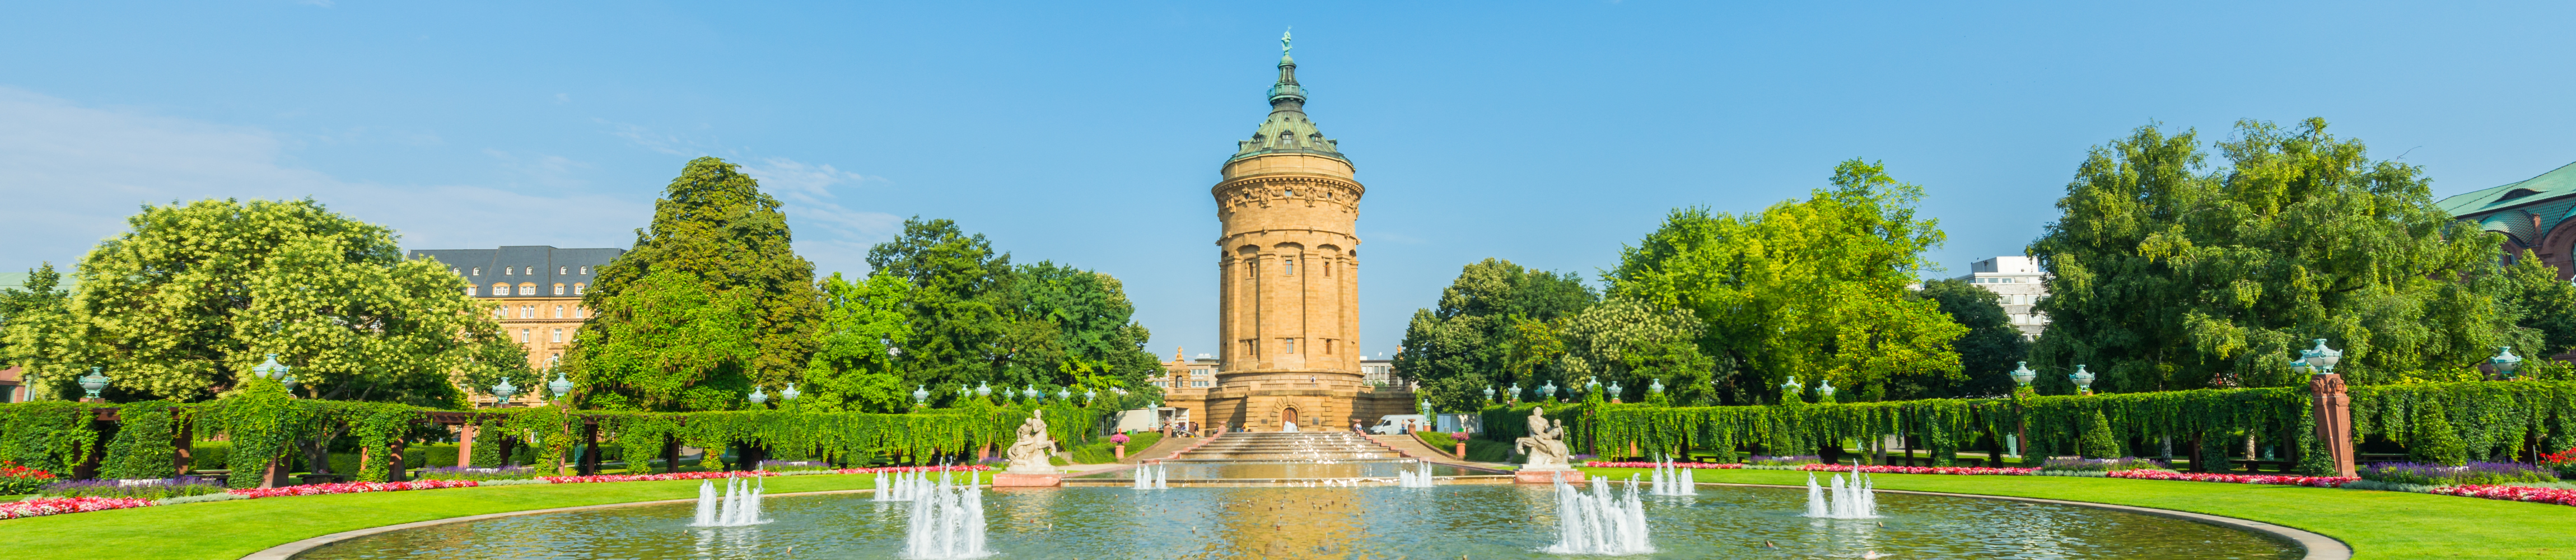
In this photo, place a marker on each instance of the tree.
(1987, 354)
(34, 323)
(1813, 287)
(1634, 344)
(1095, 344)
(2546, 306)
(718, 240)
(2165, 276)
(183, 304)
(1492, 328)
(854, 365)
(959, 291)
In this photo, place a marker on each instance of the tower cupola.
(1287, 130)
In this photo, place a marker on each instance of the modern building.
(535, 290)
(2531, 213)
(1377, 372)
(1288, 281)
(13, 386)
(2017, 282)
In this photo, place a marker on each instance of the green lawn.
(2377, 525)
(230, 529)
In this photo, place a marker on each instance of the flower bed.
(52, 506)
(1648, 465)
(350, 488)
(16, 479)
(650, 477)
(475, 473)
(940, 468)
(2560, 496)
(2475, 473)
(2078, 464)
(1897, 469)
(153, 489)
(2280, 479)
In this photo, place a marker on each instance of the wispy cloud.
(74, 173)
(811, 197)
(652, 139)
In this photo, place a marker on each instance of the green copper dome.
(1287, 130)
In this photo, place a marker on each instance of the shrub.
(149, 489)
(1103, 451)
(2096, 442)
(210, 455)
(2435, 441)
(2068, 464)
(789, 466)
(2472, 472)
(15, 480)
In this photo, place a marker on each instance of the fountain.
(1840, 501)
(1600, 523)
(1415, 478)
(1672, 480)
(947, 520)
(740, 505)
(1152, 476)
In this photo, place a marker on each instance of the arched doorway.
(1288, 419)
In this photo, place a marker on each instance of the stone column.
(2333, 412)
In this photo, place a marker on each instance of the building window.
(559, 289)
(1251, 348)
(1200, 372)
(563, 270)
(478, 271)
(1198, 383)
(527, 289)
(500, 289)
(451, 270)
(558, 335)
(499, 312)
(527, 312)
(1287, 266)
(585, 270)
(1287, 346)
(509, 270)
(576, 288)
(559, 312)
(1252, 267)
(469, 291)
(523, 336)
(1328, 346)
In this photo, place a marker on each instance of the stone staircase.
(1288, 446)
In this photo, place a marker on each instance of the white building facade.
(2016, 281)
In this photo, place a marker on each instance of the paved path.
(1413, 447)
(1162, 448)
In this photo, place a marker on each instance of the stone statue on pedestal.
(1029, 454)
(1545, 448)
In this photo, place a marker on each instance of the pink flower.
(1118, 439)
(2279, 479)
(52, 506)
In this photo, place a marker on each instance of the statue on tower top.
(1283, 42)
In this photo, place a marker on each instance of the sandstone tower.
(1288, 270)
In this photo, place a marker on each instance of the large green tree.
(2169, 274)
(853, 367)
(1086, 314)
(716, 241)
(32, 321)
(1989, 352)
(1811, 288)
(185, 302)
(973, 318)
(958, 303)
(1636, 345)
(1493, 327)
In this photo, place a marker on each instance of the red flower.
(53, 506)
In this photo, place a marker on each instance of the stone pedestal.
(2333, 413)
(1570, 476)
(1026, 480)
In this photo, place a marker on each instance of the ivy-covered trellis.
(2497, 420)
(264, 427)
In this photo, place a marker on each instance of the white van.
(1396, 423)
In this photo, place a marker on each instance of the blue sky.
(1546, 133)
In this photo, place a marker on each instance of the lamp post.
(1615, 392)
(921, 395)
(789, 393)
(501, 393)
(2022, 375)
(1032, 394)
(2321, 358)
(92, 384)
(1825, 390)
(2083, 380)
(1489, 394)
(2505, 362)
(1592, 384)
(1063, 394)
(1091, 395)
(1655, 388)
(758, 398)
(562, 388)
(983, 390)
(1516, 392)
(1547, 392)
(2298, 365)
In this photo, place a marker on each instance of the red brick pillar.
(2334, 421)
(465, 445)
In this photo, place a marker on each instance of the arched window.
(528, 289)
(509, 270)
(523, 336)
(478, 271)
(558, 335)
(469, 291)
(576, 288)
(559, 289)
(563, 270)
(559, 312)
(1252, 267)
(585, 270)
(500, 289)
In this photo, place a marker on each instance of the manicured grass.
(2377, 525)
(230, 529)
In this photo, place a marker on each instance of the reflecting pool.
(1472, 521)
